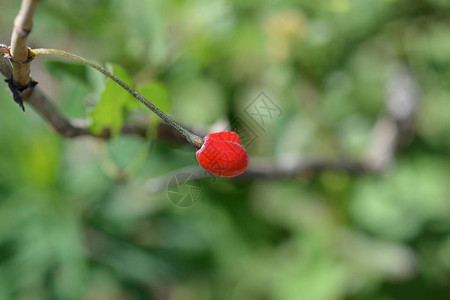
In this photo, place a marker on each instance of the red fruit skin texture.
(222, 154)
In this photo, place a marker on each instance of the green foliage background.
(77, 219)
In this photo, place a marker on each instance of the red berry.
(222, 154)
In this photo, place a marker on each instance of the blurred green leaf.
(113, 104)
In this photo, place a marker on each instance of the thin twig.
(78, 128)
(195, 140)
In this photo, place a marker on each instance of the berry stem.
(195, 140)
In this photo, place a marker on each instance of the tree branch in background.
(77, 128)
